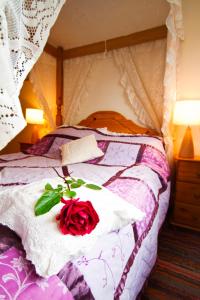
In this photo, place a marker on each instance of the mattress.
(135, 168)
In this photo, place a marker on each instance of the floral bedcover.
(134, 167)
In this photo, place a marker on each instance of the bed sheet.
(134, 167)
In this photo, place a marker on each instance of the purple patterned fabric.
(19, 281)
(135, 168)
(40, 147)
(157, 162)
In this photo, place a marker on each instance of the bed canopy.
(22, 44)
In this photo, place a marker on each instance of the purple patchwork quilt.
(135, 168)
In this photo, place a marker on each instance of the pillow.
(46, 247)
(47, 145)
(138, 131)
(80, 150)
(75, 126)
(106, 131)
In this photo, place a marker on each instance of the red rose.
(77, 217)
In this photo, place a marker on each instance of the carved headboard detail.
(115, 122)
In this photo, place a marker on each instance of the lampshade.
(187, 112)
(34, 116)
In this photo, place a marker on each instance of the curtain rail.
(152, 34)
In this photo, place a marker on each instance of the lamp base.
(35, 135)
(187, 147)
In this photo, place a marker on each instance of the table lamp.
(187, 112)
(34, 116)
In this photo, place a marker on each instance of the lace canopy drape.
(174, 25)
(142, 68)
(24, 29)
(141, 71)
(75, 90)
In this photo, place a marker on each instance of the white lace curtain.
(141, 69)
(43, 79)
(174, 25)
(24, 29)
(76, 72)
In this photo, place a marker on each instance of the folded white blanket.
(46, 247)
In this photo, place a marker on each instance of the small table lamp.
(187, 112)
(34, 116)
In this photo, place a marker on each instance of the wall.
(104, 91)
(27, 99)
(103, 88)
(188, 84)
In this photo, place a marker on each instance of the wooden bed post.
(59, 85)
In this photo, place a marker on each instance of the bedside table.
(186, 210)
(25, 146)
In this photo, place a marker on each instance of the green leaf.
(59, 187)
(80, 181)
(75, 185)
(48, 187)
(47, 200)
(70, 194)
(93, 186)
(68, 181)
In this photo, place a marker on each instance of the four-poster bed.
(133, 166)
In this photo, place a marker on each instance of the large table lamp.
(187, 112)
(34, 116)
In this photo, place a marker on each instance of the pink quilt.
(135, 168)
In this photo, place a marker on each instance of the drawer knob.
(198, 174)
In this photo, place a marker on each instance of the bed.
(134, 166)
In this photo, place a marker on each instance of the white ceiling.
(82, 22)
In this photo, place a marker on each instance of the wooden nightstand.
(24, 146)
(186, 210)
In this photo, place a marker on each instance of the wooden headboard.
(115, 122)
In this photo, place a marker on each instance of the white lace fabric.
(142, 70)
(174, 25)
(76, 72)
(46, 247)
(24, 29)
(143, 93)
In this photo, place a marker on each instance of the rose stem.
(62, 178)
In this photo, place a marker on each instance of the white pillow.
(46, 247)
(106, 131)
(80, 150)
